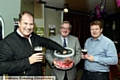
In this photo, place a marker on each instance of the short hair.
(66, 22)
(97, 22)
(25, 12)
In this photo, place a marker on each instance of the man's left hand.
(89, 57)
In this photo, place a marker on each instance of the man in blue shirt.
(101, 53)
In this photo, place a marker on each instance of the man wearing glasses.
(71, 42)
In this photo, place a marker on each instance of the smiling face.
(96, 31)
(26, 25)
(65, 29)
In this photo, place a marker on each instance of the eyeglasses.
(65, 28)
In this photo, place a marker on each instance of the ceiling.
(83, 5)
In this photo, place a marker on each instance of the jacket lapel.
(69, 41)
(59, 40)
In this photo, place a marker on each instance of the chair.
(115, 70)
(118, 73)
(1, 28)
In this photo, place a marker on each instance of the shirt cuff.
(96, 59)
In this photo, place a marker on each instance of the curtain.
(80, 26)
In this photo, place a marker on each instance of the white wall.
(9, 9)
(53, 17)
(27, 5)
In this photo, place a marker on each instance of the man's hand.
(82, 56)
(55, 63)
(89, 57)
(37, 57)
(65, 51)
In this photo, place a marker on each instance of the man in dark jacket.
(17, 56)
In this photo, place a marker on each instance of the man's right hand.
(37, 57)
(65, 51)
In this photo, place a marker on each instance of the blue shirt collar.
(98, 39)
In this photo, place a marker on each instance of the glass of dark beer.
(38, 49)
(84, 51)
